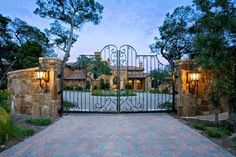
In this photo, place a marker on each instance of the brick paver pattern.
(124, 135)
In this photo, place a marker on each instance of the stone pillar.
(28, 97)
(185, 102)
(191, 104)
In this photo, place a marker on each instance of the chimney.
(97, 53)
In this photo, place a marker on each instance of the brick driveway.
(129, 135)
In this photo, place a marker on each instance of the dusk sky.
(133, 22)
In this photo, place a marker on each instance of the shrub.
(77, 88)
(200, 126)
(68, 105)
(5, 132)
(154, 91)
(128, 86)
(128, 93)
(217, 132)
(166, 105)
(39, 121)
(4, 101)
(21, 132)
(165, 90)
(9, 130)
(111, 93)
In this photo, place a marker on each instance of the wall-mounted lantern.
(43, 77)
(192, 80)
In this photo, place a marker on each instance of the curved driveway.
(125, 135)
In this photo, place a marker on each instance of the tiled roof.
(70, 64)
(75, 75)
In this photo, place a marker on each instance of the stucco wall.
(28, 97)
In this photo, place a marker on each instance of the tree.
(7, 47)
(216, 45)
(98, 67)
(72, 14)
(28, 54)
(175, 38)
(92, 66)
(24, 33)
(20, 44)
(158, 77)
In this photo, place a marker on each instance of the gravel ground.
(228, 143)
(19, 119)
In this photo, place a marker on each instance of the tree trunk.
(65, 59)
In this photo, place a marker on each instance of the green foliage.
(39, 121)
(83, 62)
(112, 93)
(175, 38)
(165, 90)
(200, 126)
(83, 11)
(215, 44)
(212, 131)
(217, 132)
(68, 105)
(28, 54)
(9, 130)
(93, 65)
(5, 133)
(77, 88)
(167, 105)
(205, 31)
(25, 33)
(128, 86)
(61, 11)
(104, 85)
(4, 101)
(155, 91)
(99, 67)
(158, 75)
(21, 132)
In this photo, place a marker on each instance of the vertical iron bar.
(118, 81)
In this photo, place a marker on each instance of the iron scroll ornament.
(123, 61)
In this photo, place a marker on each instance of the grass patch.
(211, 130)
(21, 132)
(14, 131)
(39, 121)
(217, 132)
(200, 126)
(203, 125)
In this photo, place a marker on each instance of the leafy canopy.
(93, 65)
(68, 15)
(175, 38)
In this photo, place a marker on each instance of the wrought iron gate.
(117, 81)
